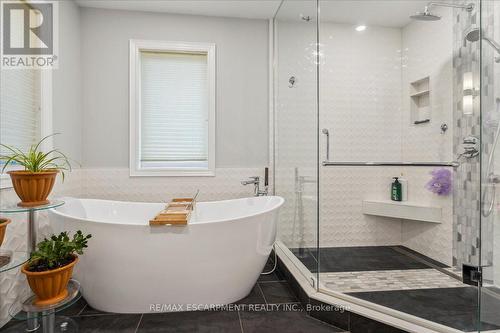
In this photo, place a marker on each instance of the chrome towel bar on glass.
(453, 164)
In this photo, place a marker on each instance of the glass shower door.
(400, 99)
(490, 165)
(296, 128)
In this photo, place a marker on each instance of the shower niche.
(420, 101)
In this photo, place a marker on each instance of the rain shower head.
(426, 15)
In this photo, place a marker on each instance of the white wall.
(67, 121)
(296, 124)
(360, 103)
(242, 76)
(67, 88)
(427, 50)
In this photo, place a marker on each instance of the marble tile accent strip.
(388, 280)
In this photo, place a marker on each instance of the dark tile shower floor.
(453, 307)
(363, 258)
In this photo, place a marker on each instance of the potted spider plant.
(34, 184)
(51, 266)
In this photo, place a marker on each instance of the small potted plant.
(50, 267)
(3, 228)
(34, 184)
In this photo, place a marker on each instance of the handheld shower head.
(325, 131)
(474, 35)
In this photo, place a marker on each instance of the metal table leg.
(32, 323)
(32, 320)
(49, 319)
(32, 237)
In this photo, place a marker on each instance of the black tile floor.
(453, 307)
(271, 306)
(363, 258)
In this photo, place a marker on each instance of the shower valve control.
(470, 146)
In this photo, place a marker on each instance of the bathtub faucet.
(256, 182)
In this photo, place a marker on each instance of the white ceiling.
(254, 9)
(389, 13)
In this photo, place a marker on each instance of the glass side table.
(12, 259)
(32, 228)
(16, 259)
(29, 312)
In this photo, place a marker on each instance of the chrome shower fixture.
(471, 146)
(444, 128)
(474, 34)
(426, 15)
(326, 132)
(305, 18)
(492, 179)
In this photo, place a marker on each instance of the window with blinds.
(20, 104)
(172, 108)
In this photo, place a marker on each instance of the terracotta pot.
(33, 188)
(50, 287)
(3, 228)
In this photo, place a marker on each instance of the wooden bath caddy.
(177, 212)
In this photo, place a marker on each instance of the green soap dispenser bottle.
(396, 192)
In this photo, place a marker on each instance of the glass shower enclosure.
(369, 91)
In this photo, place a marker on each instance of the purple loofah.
(440, 182)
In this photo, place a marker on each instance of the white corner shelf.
(420, 93)
(404, 210)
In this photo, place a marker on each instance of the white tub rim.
(279, 203)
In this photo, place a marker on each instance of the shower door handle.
(327, 133)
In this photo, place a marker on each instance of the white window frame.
(136, 47)
(45, 120)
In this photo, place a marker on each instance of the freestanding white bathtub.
(130, 267)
